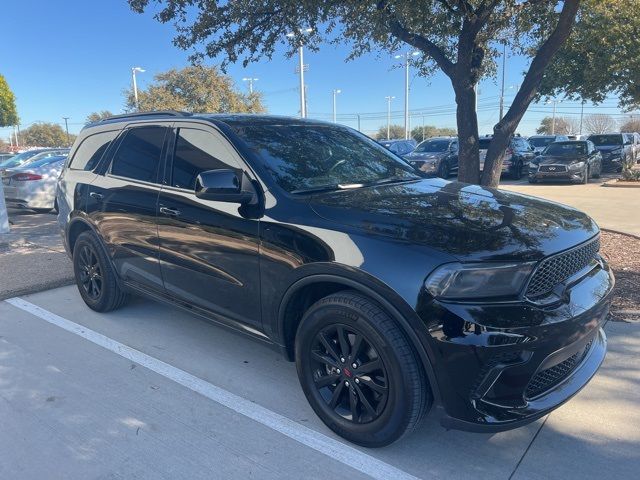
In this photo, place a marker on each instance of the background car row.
(29, 179)
(438, 156)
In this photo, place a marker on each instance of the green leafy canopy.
(8, 111)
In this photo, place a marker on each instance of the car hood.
(608, 148)
(425, 155)
(470, 222)
(560, 160)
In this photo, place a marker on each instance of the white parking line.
(334, 449)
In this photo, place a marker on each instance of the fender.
(410, 323)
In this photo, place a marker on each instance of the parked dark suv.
(392, 292)
(616, 149)
(517, 158)
(436, 156)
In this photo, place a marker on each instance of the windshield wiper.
(394, 180)
(327, 188)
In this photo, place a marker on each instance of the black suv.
(517, 158)
(392, 292)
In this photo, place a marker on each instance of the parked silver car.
(31, 156)
(33, 185)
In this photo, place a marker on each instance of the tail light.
(26, 177)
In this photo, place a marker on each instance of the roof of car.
(228, 118)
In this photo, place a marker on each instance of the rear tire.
(95, 277)
(340, 339)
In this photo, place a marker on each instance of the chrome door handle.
(172, 212)
(96, 195)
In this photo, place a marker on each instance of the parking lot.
(149, 391)
(140, 393)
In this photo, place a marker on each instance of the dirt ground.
(623, 254)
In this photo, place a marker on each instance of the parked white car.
(33, 185)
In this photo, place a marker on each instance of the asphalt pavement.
(152, 392)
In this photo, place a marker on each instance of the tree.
(630, 125)
(561, 126)
(395, 131)
(97, 116)
(421, 133)
(8, 111)
(195, 89)
(601, 55)
(455, 36)
(45, 135)
(600, 123)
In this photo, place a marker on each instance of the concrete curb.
(619, 232)
(35, 288)
(621, 184)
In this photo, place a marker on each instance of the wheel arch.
(76, 227)
(307, 290)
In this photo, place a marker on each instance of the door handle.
(96, 195)
(171, 212)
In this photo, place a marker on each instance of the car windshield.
(601, 140)
(19, 159)
(303, 158)
(433, 146)
(538, 142)
(566, 149)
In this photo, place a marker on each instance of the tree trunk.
(467, 120)
(505, 128)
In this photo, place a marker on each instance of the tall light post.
(250, 80)
(135, 70)
(66, 127)
(336, 91)
(303, 102)
(389, 98)
(406, 57)
(504, 64)
(553, 119)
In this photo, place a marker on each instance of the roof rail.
(175, 113)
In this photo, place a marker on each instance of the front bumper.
(562, 174)
(499, 367)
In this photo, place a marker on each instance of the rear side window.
(91, 150)
(138, 156)
(197, 151)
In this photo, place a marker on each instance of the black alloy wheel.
(349, 374)
(358, 370)
(90, 273)
(95, 277)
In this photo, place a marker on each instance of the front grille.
(545, 380)
(553, 168)
(556, 269)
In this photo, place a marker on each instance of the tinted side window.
(90, 151)
(138, 156)
(197, 151)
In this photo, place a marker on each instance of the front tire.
(359, 371)
(444, 170)
(95, 277)
(516, 173)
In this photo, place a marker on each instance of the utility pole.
(303, 100)
(336, 91)
(406, 57)
(581, 115)
(358, 116)
(250, 80)
(66, 127)
(389, 98)
(504, 63)
(135, 70)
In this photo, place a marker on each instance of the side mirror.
(225, 185)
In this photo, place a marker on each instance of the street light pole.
(66, 127)
(504, 63)
(406, 57)
(335, 93)
(389, 98)
(135, 85)
(250, 80)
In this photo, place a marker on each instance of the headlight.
(479, 280)
(576, 166)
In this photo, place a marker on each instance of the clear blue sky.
(71, 57)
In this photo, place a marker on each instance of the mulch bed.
(623, 254)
